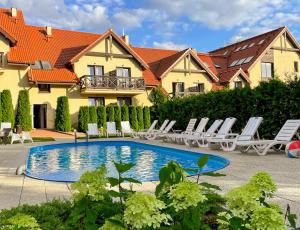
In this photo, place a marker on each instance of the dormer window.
(45, 65)
(1, 59)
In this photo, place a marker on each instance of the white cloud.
(169, 45)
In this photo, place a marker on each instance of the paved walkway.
(15, 190)
(54, 134)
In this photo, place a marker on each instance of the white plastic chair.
(125, 128)
(160, 130)
(171, 137)
(92, 130)
(157, 135)
(146, 131)
(5, 125)
(284, 136)
(111, 129)
(26, 137)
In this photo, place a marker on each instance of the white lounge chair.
(13, 136)
(225, 129)
(251, 129)
(171, 137)
(26, 137)
(146, 131)
(180, 138)
(159, 135)
(111, 129)
(5, 125)
(126, 129)
(160, 130)
(190, 139)
(92, 130)
(284, 136)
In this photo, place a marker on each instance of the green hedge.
(125, 113)
(101, 114)
(147, 117)
(63, 118)
(133, 118)
(7, 107)
(118, 117)
(93, 115)
(274, 101)
(0, 109)
(140, 117)
(110, 111)
(83, 118)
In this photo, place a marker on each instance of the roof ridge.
(247, 39)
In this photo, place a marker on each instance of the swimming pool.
(66, 162)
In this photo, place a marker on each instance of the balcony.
(111, 85)
(187, 92)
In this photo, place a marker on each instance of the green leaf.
(131, 180)
(292, 220)
(202, 161)
(191, 170)
(236, 223)
(210, 186)
(113, 181)
(213, 174)
(123, 167)
(114, 193)
(164, 173)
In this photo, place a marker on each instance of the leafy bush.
(140, 117)
(118, 117)
(63, 118)
(93, 115)
(83, 118)
(0, 109)
(275, 101)
(147, 117)
(7, 107)
(125, 113)
(133, 118)
(110, 111)
(101, 114)
(21, 221)
(23, 116)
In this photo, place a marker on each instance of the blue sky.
(174, 24)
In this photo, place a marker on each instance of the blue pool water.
(66, 162)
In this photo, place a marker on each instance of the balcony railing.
(111, 82)
(187, 92)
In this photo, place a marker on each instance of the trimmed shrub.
(125, 113)
(63, 118)
(93, 115)
(133, 118)
(110, 113)
(140, 117)
(7, 107)
(101, 114)
(275, 101)
(83, 118)
(118, 117)
(147, 117)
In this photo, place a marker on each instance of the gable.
(108, 45)
(4, 44)
(187, 63)
(284, 41)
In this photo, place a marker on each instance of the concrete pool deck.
(18, 189)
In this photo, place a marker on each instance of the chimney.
(14, 12)
(49, 31)
(194, 50)
(126, 39)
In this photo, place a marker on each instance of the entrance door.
(40, 116)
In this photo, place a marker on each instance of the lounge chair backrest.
(191, 125)
(93, 129)
(169, 127)
(202, 124)
(111, 128)
(288, 130)
(226, 127)
(153, 125)
(26, 136)
(250, 129)
(163, 126)
(125, 126)
(5, 125)
(214, 127)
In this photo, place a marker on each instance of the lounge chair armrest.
(231, 135)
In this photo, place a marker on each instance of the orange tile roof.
(61, 75)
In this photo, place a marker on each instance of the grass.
(43, 139)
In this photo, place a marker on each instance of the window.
(226, 52)
(1, 59)
(238, 84)
(124, 101)
(217, 66)
(261, 42)
(96, 101)
(252, 44)
(244, 47)
(123, 72)
(237, 49)
(233, 63)
(296, 67)
(266, 70)
(248, 59)
(200, 87)
(44, 88)
(241, 61)
(42, 65)
(96, 70)
(178, 88)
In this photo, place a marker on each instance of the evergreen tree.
(118, 117)
(23, 117)
(110, 113)
(93, 115)
(125, 113)
(147, 117)
(133, 118)
(83, 118)
(7, 107)
(63, 118)
(101, 114)
(140, 117)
